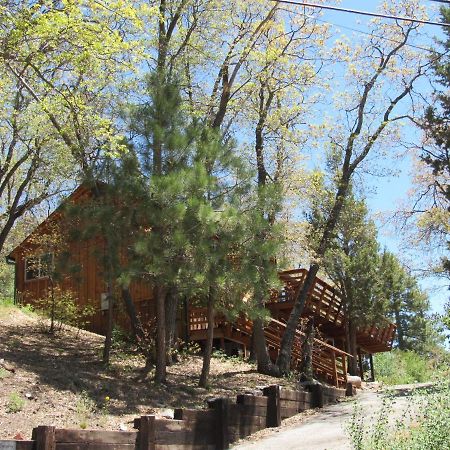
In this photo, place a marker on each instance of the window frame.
(41, 273)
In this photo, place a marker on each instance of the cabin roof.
(80, 192)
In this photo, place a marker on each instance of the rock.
(18, 437)
(354, 380)
(29, 396)
(7, 366)
(166, 413)
(123, 427)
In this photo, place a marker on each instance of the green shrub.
(402, 367)
(423, 424)
(15, 403)
(61, 308)
(85, 409)
(4, 373)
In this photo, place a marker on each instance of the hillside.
(60, 380)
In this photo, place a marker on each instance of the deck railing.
(329, 363)
(323, 300)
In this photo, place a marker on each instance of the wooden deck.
(325, 304)
(329, 362)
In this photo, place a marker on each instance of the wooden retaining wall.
(224, 422)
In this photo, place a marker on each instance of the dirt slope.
(59, 380)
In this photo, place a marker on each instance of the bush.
(61, 308)
(402, 367)
(15, 403)
(423, 424)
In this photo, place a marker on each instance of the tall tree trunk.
(160, 372)
(52, 312)
(347, 344)
(171, 311)
(287, 341)
(400, 332)
(306, 367)
(137, 329)
(264, 363)
(109, 326)
(203, 382)
(353, 365)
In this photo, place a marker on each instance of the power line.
(356, 30)
(363, 13)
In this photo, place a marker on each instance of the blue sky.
(386, 192)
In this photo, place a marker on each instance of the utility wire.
(356, 30)
(363, 13)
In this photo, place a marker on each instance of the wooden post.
(372, 371)
(361, 370)
(273, 405)
(146, 437)
(221, 410)
(335, 374)
(44, 437)
(317, 395)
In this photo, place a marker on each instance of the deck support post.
(361, 370)
(372, 370)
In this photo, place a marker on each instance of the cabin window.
(38, 266)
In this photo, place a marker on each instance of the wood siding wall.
(86, 283)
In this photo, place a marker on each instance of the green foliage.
(407, 304)
(222, 356)
(85, 408)
(424, 423)
(192, 348)
(404, 367)
(445, 319)
(4, 373)
(15, 403)
(6, 279)
(62, 306)
(353, 262)
(120, 339)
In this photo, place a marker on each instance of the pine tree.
(437, 126)
(407, 304)
(352, 262)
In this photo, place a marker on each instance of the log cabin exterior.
(88, 286)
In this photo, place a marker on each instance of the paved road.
(322, 431)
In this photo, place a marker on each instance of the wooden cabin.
(87, 284)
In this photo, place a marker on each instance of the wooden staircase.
(325, 304)
(329, 363)
(323, 300)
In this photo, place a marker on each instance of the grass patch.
(6, 306)
(15, 403)
(4, 373)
